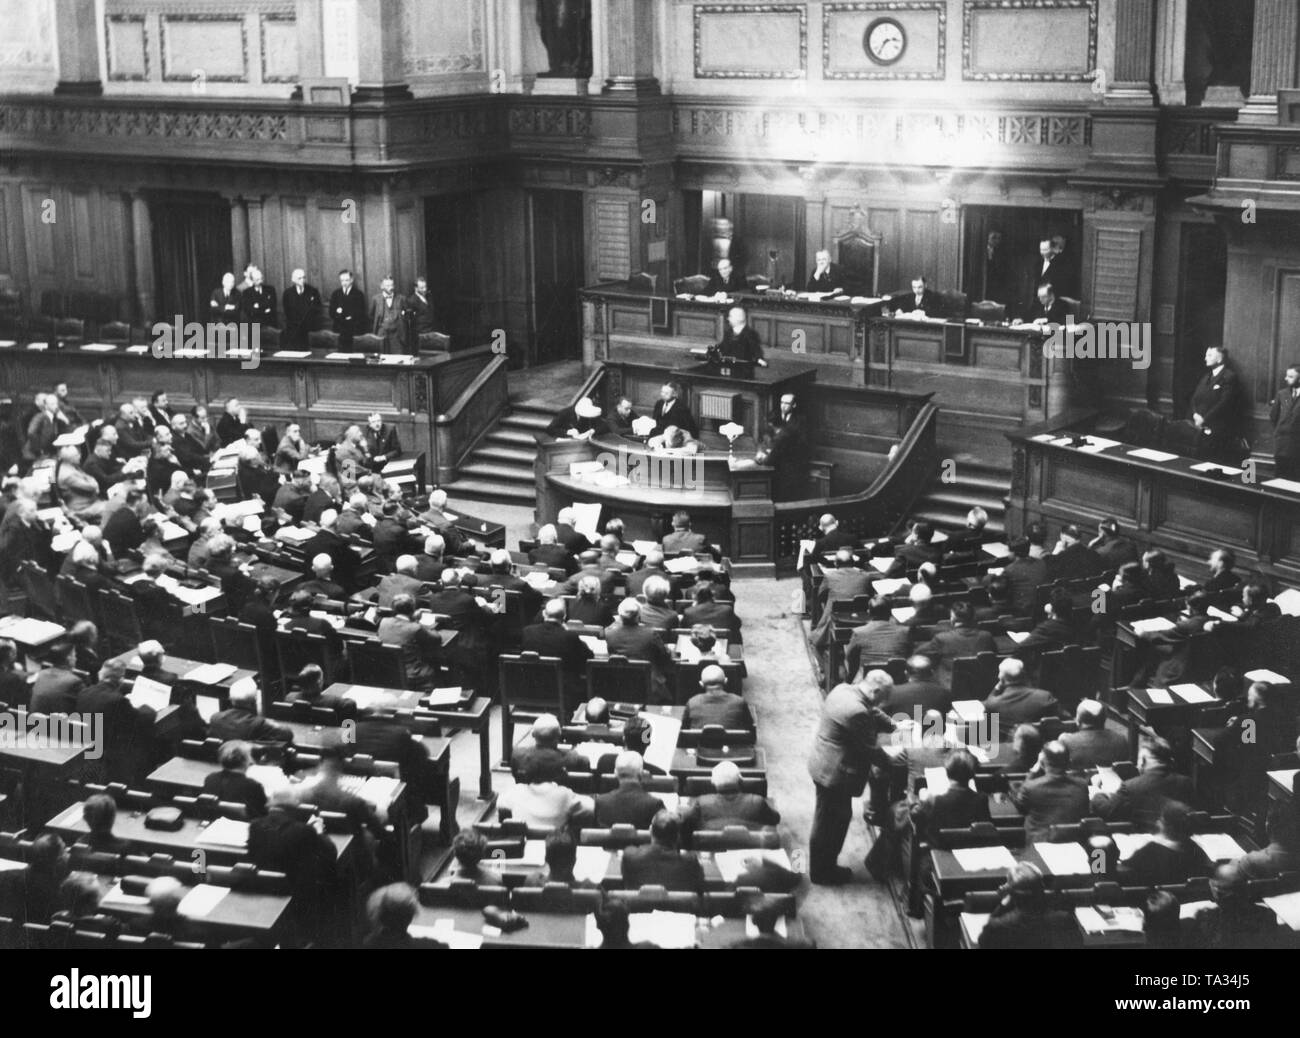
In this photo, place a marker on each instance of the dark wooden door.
(191, 251)
(1203, 266)
(555, 219)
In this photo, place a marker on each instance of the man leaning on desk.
(921, 299)
(725, 280)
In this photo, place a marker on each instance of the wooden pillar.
(380, 75)
(1171, 52)
(142, 258)
(76, 25)
(628, 34)
(1273, 58)
(1134, 53)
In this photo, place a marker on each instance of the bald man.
(715, 705)
(302, 309)
(739, 340)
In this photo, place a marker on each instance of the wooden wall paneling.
(410, 244)
(82, 234)
(295, 244)
(337, 243)
(886, 221)
(10, 232)
(42, 248)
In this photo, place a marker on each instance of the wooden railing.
(458, 429)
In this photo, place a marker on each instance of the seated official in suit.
(622, 417)
(1057, 628)
(1141, 799)
(1235, 920)
(964, 639)
(421, 648)
(552, 638)
(1047, 310)
(550, 553)
(56, 687)
(921, 299)
(232, 783)
(842, 582)
(920, 691)
(403, 581)
(281, 842)
(627, 636)
(1170, 856)
(670, 409)
(875, 643)
(1113, 549)
(575, 543)
(391, 910)
(1014, 701)
(1072, 559)
(972, 534)
(657, 610)
(683, 538)
(825, 276)
(99, 812)
(916, 550)
(1094, 745)
(240, 721)
(614, 924)
(589, 605)
(1281, 852)
(715, 705)
(322, 583)
(629, 804)
(728, 805)
(661, 862)
(561, 856)
(958, 806)
(725, 280)
(1160, 575)
(542, 760)
(739, 340)
(1024, 575)
(1053, 798)
(832, 537)
(1022, 917)
(719, 615)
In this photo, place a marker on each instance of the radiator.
(714, 404)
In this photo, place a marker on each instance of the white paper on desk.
(137, 349)
(1064, 859)
(1128, 844)
(367, 695)
(936, 781)
(1185, 582)
(7, 865)
(29, 630)
(646, 547)
(1289, 602)
(968, 710)
(538, 580)
(586, 519)
(1122, 920)
(150, 693)
(207, 706)
(71, 439)
(1093, 448)
(903, 614)
(1270, 676)
(939, 537)
(294, 534)
(1211, 466)
(882, 563)
(1289, 485)
(1044, 437)
(1192, 909)
(592, 864)
(984, 859)
(225, 832)
(732, 863)
(1062, 441)
(665, 929)
(593, 750)
(448, 696)
(1106, 780)
(683, 564)
(201, 900)
(1147, 454)
(664, 729)
(1219, 846)
(1191, 693)
(38, 345)
(341, 356)
(997, 549)
(1160, 697)
(596, 645)
(448, 935)
(292, 354)
(889, 585)
(5, 343)
(1153, 625)
(1102, 442)
(211, 673)
(1018, 636)
(1286, 907)
(1220, 614)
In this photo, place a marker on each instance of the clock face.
(884, 41)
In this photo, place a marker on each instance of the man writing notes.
(826, 275)
(739, 340)
(921, 299)
(301, 305)
(579, 422)
(347, 310)
(1216, 408)
(386, 317)
(1284, 413)
(725, 281)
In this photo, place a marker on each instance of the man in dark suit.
(1024, 575)
(998, 279)
(279, 842)
(1218, 407)
(232, 783)
(651, 566)
(257, 302)
(392, 536)
(552, 638)
(956, 807)
(1064, 268)
(384, 738)
(1142, 798)
(1094, 745)
(241, 722)
(542, 760)
(224, 306)
(126, 729)
(964, 639)
(347, 310)
(683, 538)
(386, 317)
(421, 648)
(844, 751)
(670, 410)
(549, 552)
(302, 305)
(575, 543)
(1047, 308)
(920, 298)
(1284, 414)
(719, 615)
(786, 450)
(1053, 798)
(842, 583)
(419, 305)
(1014, 701)
(581, 421)
(920, 691)
(627, 636)
(728, 805)
(133, 435)
(715, 705)
(629, 804)
(916, 549)
(1072, 558)
(1057, 628)
(1112, 549)
(661, 862)
(381, 441)
(876, 642)
(402, 581)
(725, 280)
(832, 538)
(326, 541)
(739, 340)
(825, 276)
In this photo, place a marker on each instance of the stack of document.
(984, 859)
(211, 673)
(1219, 846)
(153, 694)
(226, 833)
(201, 900)
(1191, 693)
(1064, 859)
(1117, 920)
(732, 863)
(1154, 625)
(1129, 844)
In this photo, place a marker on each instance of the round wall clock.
(884, 41)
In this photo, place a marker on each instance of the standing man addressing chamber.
(301, 304)
(1217, 409)
(739, 340)
(1284, 414)
(386, 317)
(347, 310)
